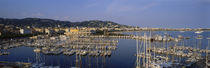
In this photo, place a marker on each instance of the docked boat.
(4, 53)
(83, 52)
(69, 53)
(37, 50)
(199, 32)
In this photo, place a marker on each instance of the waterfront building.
(67, 30)
(25, 31)
(49, 31)
(56, 29)
(72, 30)
(39, 30)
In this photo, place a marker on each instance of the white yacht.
(198, 32)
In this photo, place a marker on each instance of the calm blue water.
(122, 57)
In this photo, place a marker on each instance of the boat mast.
(150, 37)
(146, 52)
(137, 50)
(207, 50)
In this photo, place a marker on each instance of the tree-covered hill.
(38, 22)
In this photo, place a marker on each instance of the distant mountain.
(38, 22)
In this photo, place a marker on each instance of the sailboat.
(198, 32)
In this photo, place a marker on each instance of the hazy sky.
(143, 13)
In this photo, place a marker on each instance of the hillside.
(38, 22)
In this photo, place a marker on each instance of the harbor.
(105, 34)
(147, 49)
(178, 54)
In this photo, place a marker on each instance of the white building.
(49, 31)
(25, 31)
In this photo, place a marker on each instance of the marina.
(105, 34)
(151, 49)
(168, 54)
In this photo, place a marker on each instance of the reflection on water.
(141, 49)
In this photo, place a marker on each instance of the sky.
(142, 13)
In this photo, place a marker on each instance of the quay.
(6, 64)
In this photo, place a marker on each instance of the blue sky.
(143, 13)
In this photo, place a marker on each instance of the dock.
(7, 64)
